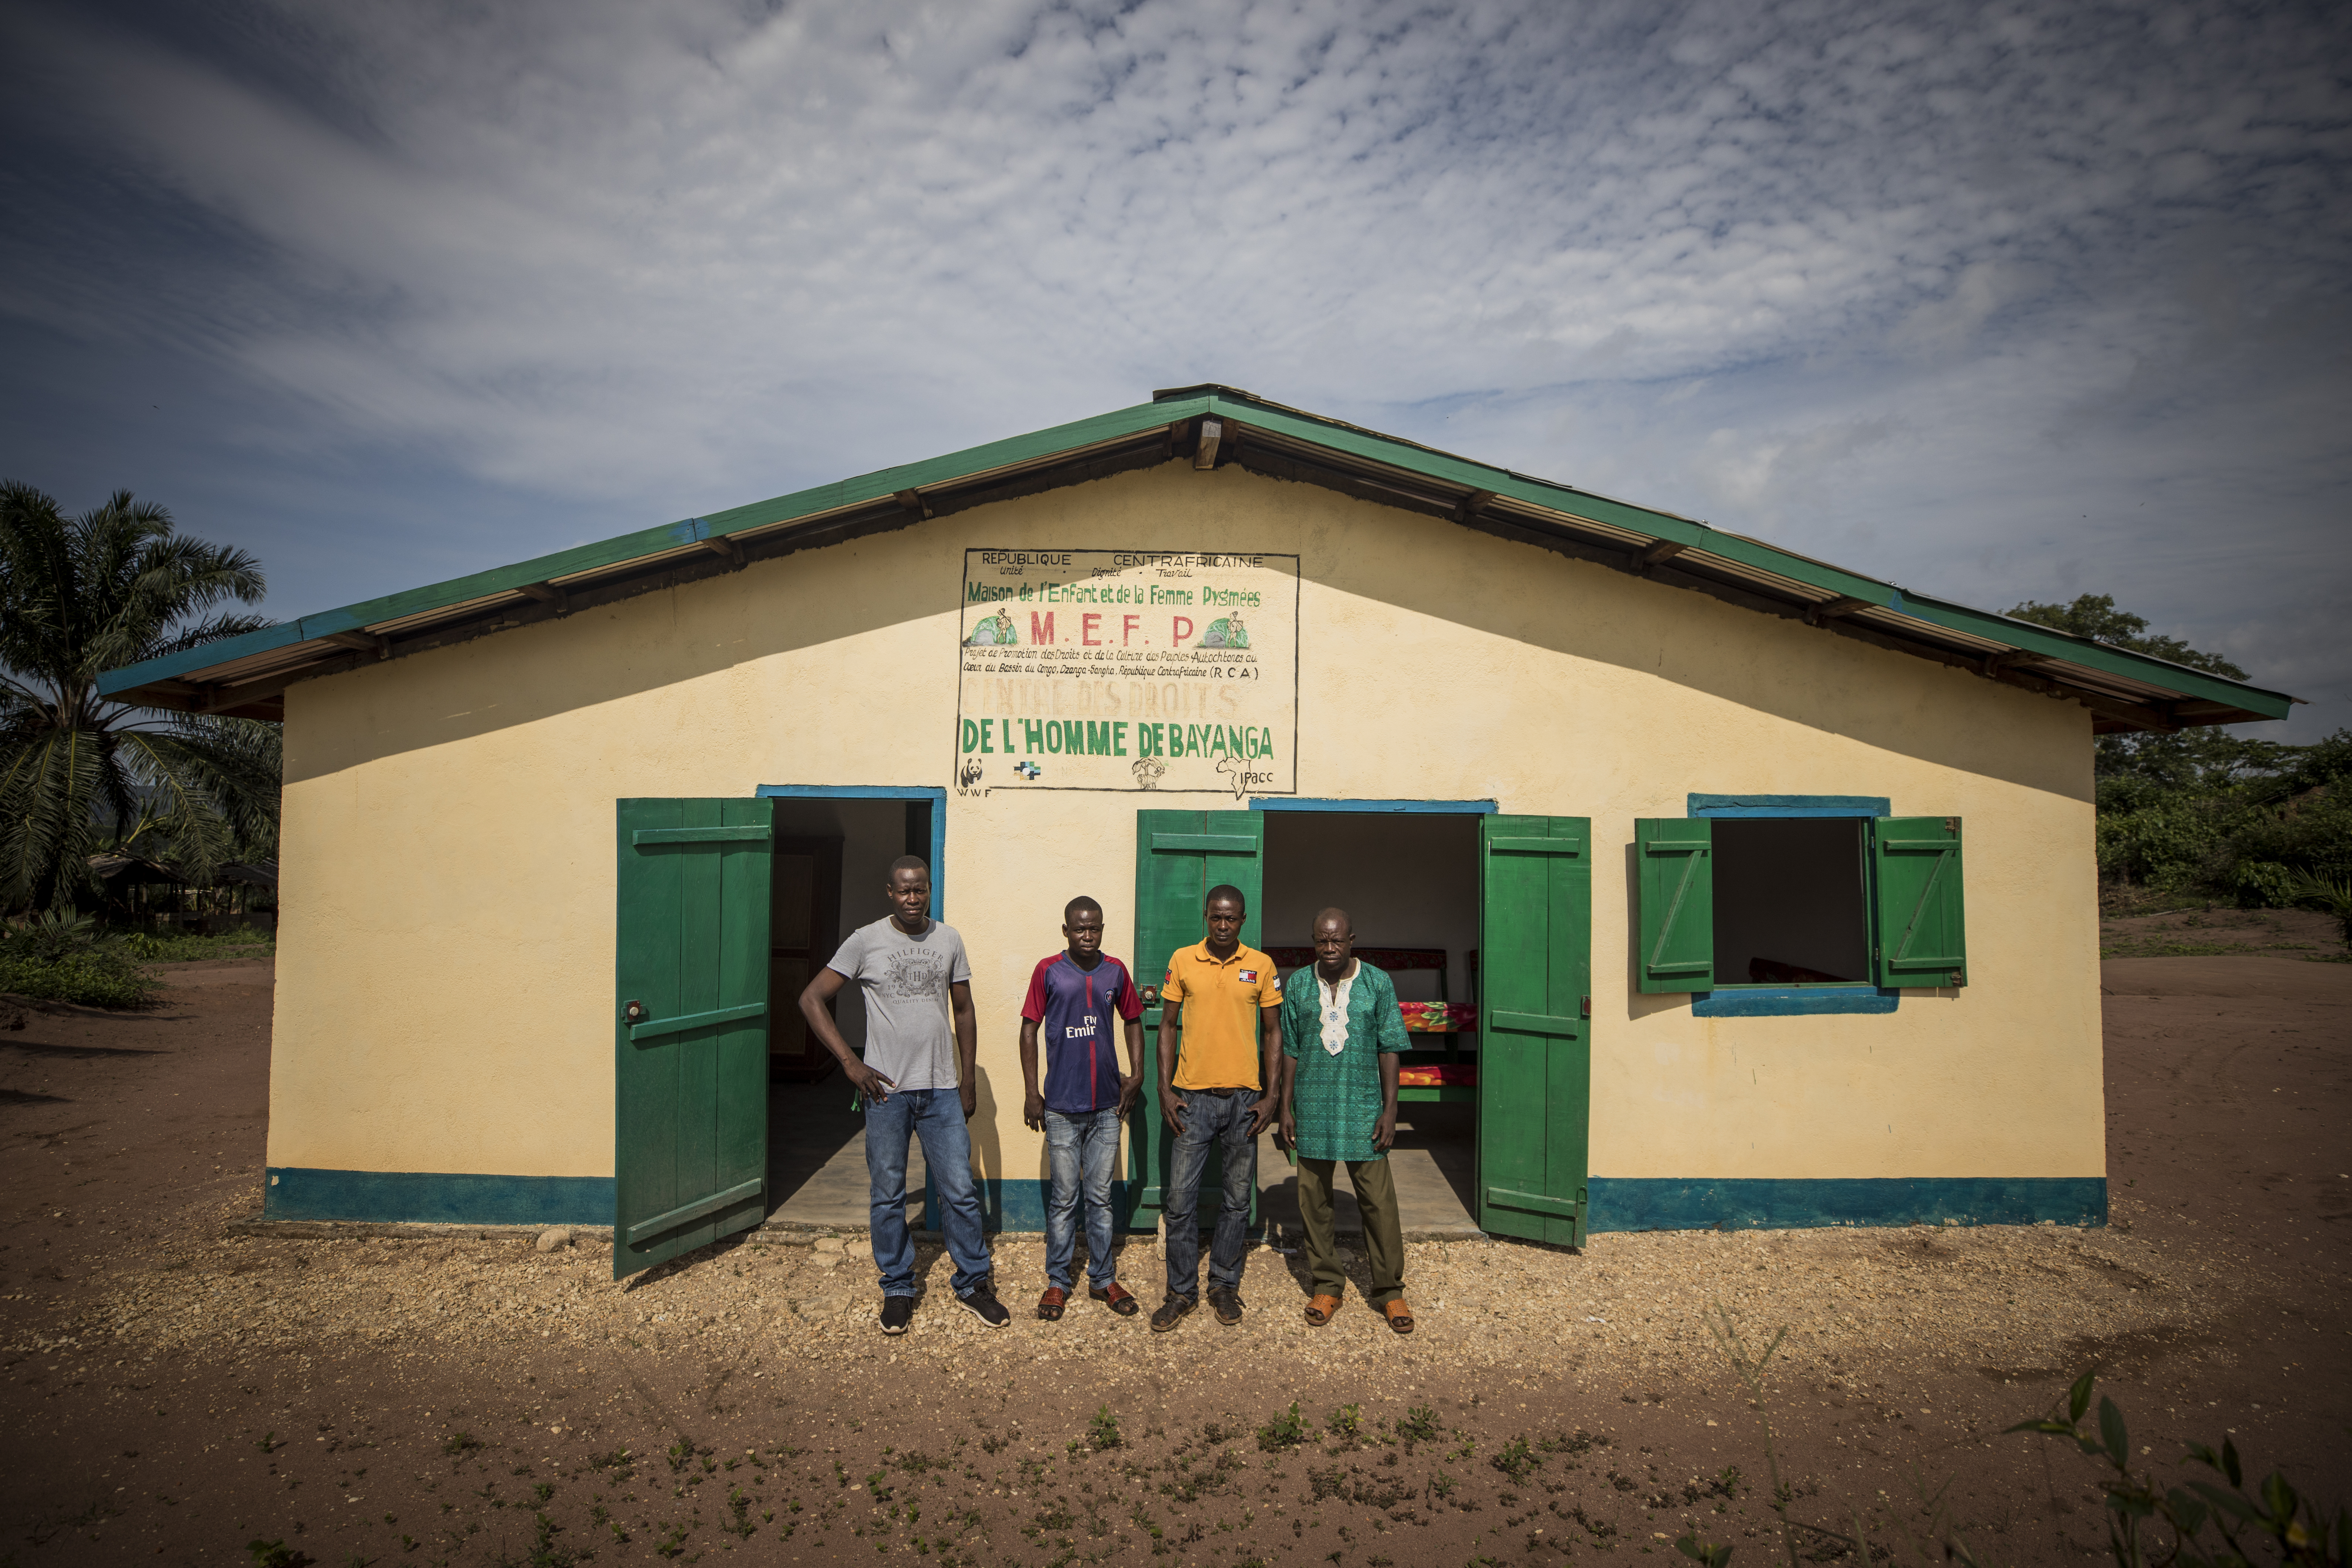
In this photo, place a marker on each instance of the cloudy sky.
(2001, 302)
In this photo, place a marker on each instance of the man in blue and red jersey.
(1073, 998)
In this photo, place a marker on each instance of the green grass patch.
(99, 979)
(247, 942)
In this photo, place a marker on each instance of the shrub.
(61, 957)
(92, 980)
(2332, 894)
(2297, 1530)
(245, 942)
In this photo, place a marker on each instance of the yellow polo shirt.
(1222, 1003)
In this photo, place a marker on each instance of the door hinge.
(1584, 1007)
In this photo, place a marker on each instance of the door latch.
(634, 1011)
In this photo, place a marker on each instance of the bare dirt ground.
(2209, 931)
(173, 1392)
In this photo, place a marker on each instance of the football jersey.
(1076, 1012)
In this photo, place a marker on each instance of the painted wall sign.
(1127, 669)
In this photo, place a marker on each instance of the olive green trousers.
(1383, 1228)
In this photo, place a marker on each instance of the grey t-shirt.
(909, 1038)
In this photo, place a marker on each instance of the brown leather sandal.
(1320, 1310)
(1118, 1298)
(1049, 1305)
(1399, 1315)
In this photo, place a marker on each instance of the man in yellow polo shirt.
(1230, 1001)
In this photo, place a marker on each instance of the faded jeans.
(1226, 1122)
(936, 1115)
(1081, 1148)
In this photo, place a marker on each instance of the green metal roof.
(2124, 691)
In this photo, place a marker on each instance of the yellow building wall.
(445, 993)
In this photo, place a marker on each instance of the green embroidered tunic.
(1336, 1099)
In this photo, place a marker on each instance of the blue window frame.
(1769, 1001)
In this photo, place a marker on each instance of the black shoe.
(898, 1312)
(1227, 1303)
(982, 1304)
(1171, 1313)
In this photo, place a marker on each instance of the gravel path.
(2024, 1302)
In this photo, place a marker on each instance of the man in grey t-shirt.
(917, 1081)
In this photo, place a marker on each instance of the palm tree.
(83, 595)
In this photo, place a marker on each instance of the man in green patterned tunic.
(1340, 1035)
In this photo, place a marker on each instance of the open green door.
(1179, 857)
(690, 1026)
(1535, 1051)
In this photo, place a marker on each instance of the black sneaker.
(1171, 1313)
(898, 1312)
(982, 1304)
(1227, 1303)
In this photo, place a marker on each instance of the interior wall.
(1789, 890)
(1407, 880)
(873, 833)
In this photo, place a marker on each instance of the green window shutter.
(1921, 933)
(690, 1026)
(1179, 857)
(1676, 876)
(1535, 1050)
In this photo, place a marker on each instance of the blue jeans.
(936, 1115)
(1224, 1121)
(1082, 1146)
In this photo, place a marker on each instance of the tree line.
(2205, 813)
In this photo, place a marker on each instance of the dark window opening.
(1791, 902)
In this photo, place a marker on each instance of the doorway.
(1410, 881)
(833, 855)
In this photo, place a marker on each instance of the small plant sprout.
(1701, 1551)
(1103, 1430)
(1751, 1370)
(1516, 1460)
(1419, 1426)
(1285, 1432)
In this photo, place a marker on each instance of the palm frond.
(114, 587)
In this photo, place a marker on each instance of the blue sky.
(2000, 302)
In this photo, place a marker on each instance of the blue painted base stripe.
(434, 1197)
(1792, 1001)
(1662, 1203)
(1618, 1203)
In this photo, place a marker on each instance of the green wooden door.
(1535, 1051)
(1179, 857)
(690, 1026)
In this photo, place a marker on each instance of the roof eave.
(248, 675)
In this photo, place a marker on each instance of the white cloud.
(1825, 270)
